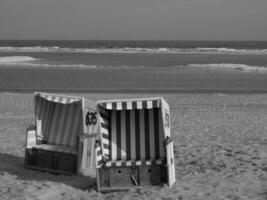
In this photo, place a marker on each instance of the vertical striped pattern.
(136, 135)
(161, 137)
(130, 105)
(105, 130)
(98, 156)
(58, 123)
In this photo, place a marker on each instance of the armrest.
(30, 138)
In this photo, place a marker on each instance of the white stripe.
(129, 105)
(104, 121)
(109, 106)
(105, 131)
(128, 163)
(113, 136)
(139, 105)
(151, 134)
(149, 105)
(142, 134)
(105, 151)
(123, 135)
(105, 141)
(92, 156)
(108, 164)
(64, 100)
(132, 134)
(49, 98)
(56, 99)
(84, 154)
(118, 163)
(119, 106)
(138, 163)
(148, 162)
(161, 137)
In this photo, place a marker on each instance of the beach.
(219, 142)
(217, 92)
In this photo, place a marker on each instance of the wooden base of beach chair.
(51, 161)
(123, 178)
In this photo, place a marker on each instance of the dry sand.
(220, 150)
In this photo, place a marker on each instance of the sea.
(170, 61)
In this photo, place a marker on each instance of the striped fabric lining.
(132, 105)
(58, 99)
(135, 163)
(58, 123)
(105, 130)
(98, 156)
(136, 134)
(132, 134)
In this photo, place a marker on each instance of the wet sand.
(220, 143)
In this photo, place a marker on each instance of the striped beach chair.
(135, 146)
(63, 135)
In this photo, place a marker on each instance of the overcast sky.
(134, 19)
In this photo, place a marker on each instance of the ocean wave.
(15, 59)
(231, 66)
(28, 61)
(162, 50)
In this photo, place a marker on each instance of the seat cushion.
(56, 148)
(123, 163)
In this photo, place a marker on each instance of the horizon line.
(146, 40)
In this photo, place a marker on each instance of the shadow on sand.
(14, 165)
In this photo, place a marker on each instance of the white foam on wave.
(28, 61)
(44, 65)
(162, 50)
(15, 59)
(231, 66)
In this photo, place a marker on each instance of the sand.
(220, 144)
